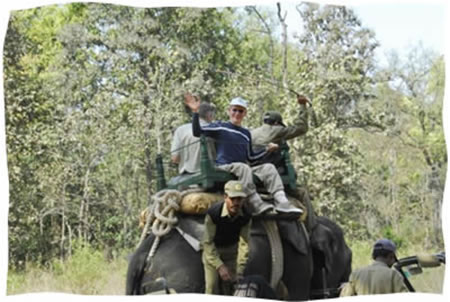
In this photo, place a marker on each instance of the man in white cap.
(234, 151)
(379, 277)
(226, 238)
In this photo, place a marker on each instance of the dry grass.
(87, 273)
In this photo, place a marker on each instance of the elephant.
(182, 268)
(254, 286)
(332, 259)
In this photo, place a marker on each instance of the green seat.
(289, 177)
(210, 178)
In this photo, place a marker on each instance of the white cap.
(239, 102)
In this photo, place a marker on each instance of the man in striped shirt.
(234, 151)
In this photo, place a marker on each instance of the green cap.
(273, 116)
(234, 188)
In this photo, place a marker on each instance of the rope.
(161, 216)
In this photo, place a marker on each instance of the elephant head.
(332, 257)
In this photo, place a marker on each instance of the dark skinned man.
(379, 277)
(226, 238)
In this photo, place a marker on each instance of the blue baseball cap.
(385, 244)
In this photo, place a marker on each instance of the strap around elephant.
(276, 250)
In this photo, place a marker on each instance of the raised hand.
(192, 101)
(302, 100)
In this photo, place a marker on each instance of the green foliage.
(334, 69)
(85, 270)
(361, 253)
(388, 233)
(93, 94)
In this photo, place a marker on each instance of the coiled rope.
(161, 216)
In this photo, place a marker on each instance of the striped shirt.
(233, 143)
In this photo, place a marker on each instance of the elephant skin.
(331, 255)
(175, 260)
(181, 265)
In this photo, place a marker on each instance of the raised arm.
(192, 101)
(300, 125)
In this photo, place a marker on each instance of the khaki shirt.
(276, 133)
(376, 278)
(211, 253)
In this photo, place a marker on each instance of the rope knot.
(162, 216)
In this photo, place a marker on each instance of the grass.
(87, 272)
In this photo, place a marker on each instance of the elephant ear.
(322, 239)
(291, 232)
(193, 225)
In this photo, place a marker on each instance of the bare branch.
(269, 33)
(285, 40)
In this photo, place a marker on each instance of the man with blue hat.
(379, 277)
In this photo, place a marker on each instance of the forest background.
(93, 94)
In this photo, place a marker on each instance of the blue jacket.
(233, 143)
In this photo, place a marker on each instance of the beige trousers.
(212, 285)
(267, 173)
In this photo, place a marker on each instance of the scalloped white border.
(7, 5)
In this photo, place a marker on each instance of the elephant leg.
(259, 262)
(136, 265)
(297, 273)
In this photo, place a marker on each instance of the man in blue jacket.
(234, 151)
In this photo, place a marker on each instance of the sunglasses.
(238, 110)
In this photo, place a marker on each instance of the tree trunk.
(436, 195)
(63, 231)
(284, 43)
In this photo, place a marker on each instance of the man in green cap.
(379, 277)
(275, 131)
(225, 241)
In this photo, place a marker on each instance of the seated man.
(185, 147)
(226, 238)
(275, 131)
(234, 150)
